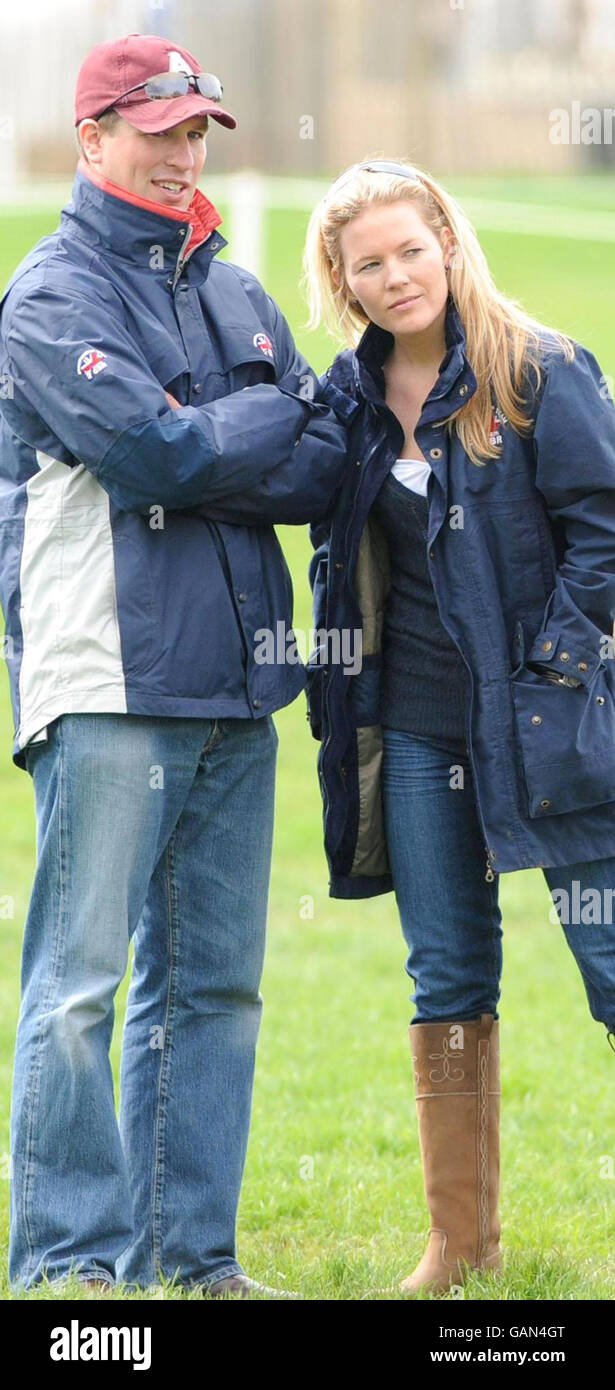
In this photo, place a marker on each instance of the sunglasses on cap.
(375, 166)
(177, 84)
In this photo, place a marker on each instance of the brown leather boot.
(457, 1093)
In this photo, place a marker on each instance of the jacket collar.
(455, 370)
(108, 216)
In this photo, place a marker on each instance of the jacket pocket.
(566, 738)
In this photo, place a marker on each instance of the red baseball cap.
(111, 68)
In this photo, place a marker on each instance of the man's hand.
(175, 405)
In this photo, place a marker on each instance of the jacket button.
(339, 565)
(536, 719)
(582, 665)
(435, 453)
(463, 390)
(431, 554)
(599, 699)
(545, 803)
(257, 703)
(242, 597)
(564, 656)
(197, 387)
(546, 646)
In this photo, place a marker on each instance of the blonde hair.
(502, 341)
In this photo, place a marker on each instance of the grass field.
(334, 1081)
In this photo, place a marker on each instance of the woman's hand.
(175, 405)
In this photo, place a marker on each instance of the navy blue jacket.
(521, 553)
(138, 559)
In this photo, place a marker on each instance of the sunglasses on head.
(375, 166)
(165, 85)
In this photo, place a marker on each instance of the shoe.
(240, 1286)
(457, 1093)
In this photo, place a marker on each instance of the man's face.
(162, 167)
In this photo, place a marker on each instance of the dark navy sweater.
(425, 682)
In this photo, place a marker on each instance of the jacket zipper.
(489, 876)
(217, 539)
(180, 259)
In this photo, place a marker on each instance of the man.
(156, 418)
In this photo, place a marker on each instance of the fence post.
(247, 206)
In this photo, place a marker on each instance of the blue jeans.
(449, 914)
(161, 827)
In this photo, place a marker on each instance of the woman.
(473, 547)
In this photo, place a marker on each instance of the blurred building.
(458, 85)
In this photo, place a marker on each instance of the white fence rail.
(248, 195)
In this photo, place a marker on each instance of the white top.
(413, 473)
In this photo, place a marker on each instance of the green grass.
(333, 1093)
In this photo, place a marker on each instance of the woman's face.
(394, 266)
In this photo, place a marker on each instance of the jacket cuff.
(312, 406)
(359, 885)
(568, 659)
(344, 406)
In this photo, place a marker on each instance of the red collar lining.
(201, 212)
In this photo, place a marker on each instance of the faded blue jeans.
(449, 913)
(162, 828)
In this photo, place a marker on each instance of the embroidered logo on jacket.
(91, 363)
(498, 419)
(261, 341)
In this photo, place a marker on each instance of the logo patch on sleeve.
(265, 344)
(91, 362)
